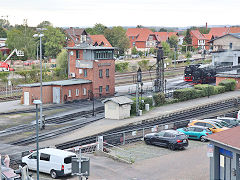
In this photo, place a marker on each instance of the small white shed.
(117, 107)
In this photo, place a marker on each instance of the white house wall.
(221, 58)
(111, 110)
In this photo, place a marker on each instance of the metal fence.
(10, 90)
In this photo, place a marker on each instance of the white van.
(52, 161)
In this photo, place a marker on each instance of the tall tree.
(117, 38)
(166, 48)
(173, 41)
(98, 28)
(4, 23)
(44, 24)
(3, 33)
(139, 26)
(62, 61)
(53, 41)
(21, 38)
(188, 38)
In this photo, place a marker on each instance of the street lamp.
(139, 81)
(37, 102)
(40, 36)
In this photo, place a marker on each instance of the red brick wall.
(65, 92)
(34, 94)
(194, 41)
(131, 41)
(219, 79)
(93, 74)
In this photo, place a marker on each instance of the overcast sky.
(80, 13)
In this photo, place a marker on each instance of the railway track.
(180, 119)
(55, 120)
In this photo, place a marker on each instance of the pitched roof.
(75, 31)
(228, 137)
(208, 36)
(142, 34)
(197, 34)
(236, 35)
(119, 100)
(219, 31)
(99, 39)
(172, 33)
(162, 36)
(234, 30)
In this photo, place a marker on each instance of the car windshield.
(224, 123)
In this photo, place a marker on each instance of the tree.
(163, 30)
(98, 28)
(173, 41)
(166, 48)
(53, 41)
(44, 24)
(188, 38)
(134, 50)
(21, 38)
(117, 38)
(153, 29)
(3, 33)
(4, 23)
(62, 61)
(140, 26)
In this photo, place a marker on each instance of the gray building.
(224, 153)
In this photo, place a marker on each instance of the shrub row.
(229, 84)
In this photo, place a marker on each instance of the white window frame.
(84, 91)
(69, 93)
(77, 92)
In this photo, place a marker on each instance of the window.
(107, 72)
(238, 60)
(45, 157)
(100, 89)
(85, 72)
(133, 43)
(191, 129)
(100, 73)
(160, 133)
(77, 54)
(68, 160)
(198, 129)
(69, 93)
(103, 54)
(230, 46)
(200, 124)
(77, 92)
(107, 88)
(209, 125)
(84, 91)
(33, 156)
(167, 134)
(132, 37)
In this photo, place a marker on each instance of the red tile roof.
(208, 36)
(197, 34)
(219, 31)
(228, 137)
(142, 34)
(163, 36)
(99, 39)
(234, 30)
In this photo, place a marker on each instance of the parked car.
(229, 120)
(196, 132)
(171, 139)
(214, 127)
(52, 161)
(220, 122)
(9, 174)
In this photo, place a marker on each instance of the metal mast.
(159, 83)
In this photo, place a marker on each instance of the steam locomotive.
(200, 74)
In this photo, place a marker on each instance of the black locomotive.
(200, 74)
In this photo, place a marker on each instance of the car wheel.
(171, 146)
(202, 139)
(148, 141)
(53, 174)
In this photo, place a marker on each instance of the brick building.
(91, 68)
(229, 75)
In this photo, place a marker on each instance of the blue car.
(196, 132)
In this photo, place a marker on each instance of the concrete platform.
(108, 124)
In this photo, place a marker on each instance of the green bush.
(207, 89)
(144, 64)
(229, 84)
(4, 76)
(159, 99)
(122, 67)
(147, 100)
(219, 89)
(185, 94)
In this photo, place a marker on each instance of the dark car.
(171, 139)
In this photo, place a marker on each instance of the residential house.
(164, 36)
(141, 38)
(226, 49)
(198, 39)
(100, 40)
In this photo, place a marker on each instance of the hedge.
(207, 89)
(229, 84)
(147, 100)
(159, 99)
(185, 94)
(219, 89)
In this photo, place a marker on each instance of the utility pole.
(139, 81)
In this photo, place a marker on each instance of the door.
(191, 133)
(56, 95)
(32, 161)
(26, 98)
(44, 163)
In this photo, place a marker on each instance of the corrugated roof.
(58, 83)
(228, 137)
(119, 100)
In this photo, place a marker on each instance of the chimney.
(206, 26)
